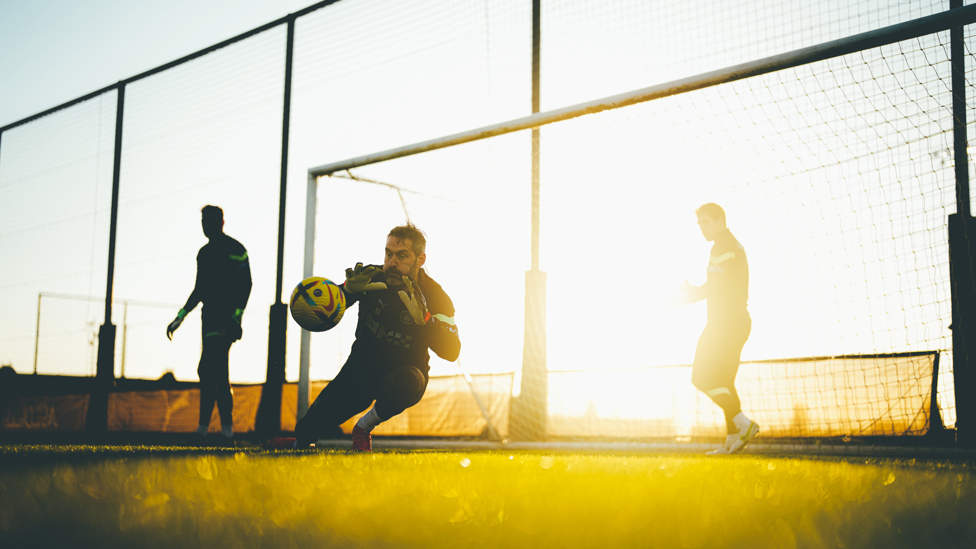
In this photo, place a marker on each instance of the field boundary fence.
(900, 392)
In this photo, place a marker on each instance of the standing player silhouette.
(726, 290)
(402, 313)
(223, 284)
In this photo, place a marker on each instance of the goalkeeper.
(726, 291)
(223, 284)
(402, 313)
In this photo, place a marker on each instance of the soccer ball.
(317, 304)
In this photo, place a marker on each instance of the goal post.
(834, 149)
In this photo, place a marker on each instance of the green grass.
(156, 497)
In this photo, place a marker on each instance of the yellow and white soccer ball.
(317, 304)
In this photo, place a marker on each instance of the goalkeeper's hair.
(417, 238)
(712, 211)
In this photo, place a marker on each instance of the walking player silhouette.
(223, 284)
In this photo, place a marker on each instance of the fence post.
(529, 412)
(962, 235)
(97, 418)
(269, 411)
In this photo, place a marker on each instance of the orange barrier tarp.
(45, 413)
(177, 411)
(447, 409)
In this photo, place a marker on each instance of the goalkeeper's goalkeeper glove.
(235, 330)
(358, 279)
(415, 306)
(175, 324)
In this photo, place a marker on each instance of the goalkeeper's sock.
(741, 422)
(202, 430)
(227, 430)
(369, 421)
(748, 429)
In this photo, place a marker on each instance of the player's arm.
(444, 338)
(440, 328)
(693, 294)
(191, 303)
(242, 279)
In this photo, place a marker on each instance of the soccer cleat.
(746, 434)
(725, 448)
(361, 440)
(280, 443)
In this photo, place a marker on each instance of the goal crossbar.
(931, 24)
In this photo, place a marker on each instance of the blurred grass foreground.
(118, 497)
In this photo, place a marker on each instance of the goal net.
(835, 176)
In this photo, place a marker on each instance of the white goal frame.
(958, 17)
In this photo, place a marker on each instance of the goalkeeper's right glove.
(358, 279)
(175, 324)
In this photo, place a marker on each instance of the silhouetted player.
(720, 345)
(223, 284)
(402, 313)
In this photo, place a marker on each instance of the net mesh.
(55, 197)
(832, 177)
(837, 177)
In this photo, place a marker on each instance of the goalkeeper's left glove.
(416, 308)
(358, 279)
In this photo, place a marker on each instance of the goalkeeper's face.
(401, 260)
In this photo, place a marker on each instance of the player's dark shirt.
(223, 279)
(727, 285)
(388, 338)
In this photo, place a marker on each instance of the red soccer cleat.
(361, 441)
(280, 443)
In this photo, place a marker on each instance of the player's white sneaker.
(724, 448)
(748, 430)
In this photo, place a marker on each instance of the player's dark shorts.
(718, 353)
(352, 391)
(220, 323)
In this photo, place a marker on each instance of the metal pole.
(529, 412)
(835, 48)
(282, 195)
(97, 418)
(269, 410)
(114, 216)
(37, 332)
(536, 51)
(306, 347)
(960, 139)
(962, 237)
(125, 328)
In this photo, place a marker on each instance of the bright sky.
(52, 51)
(798, 159)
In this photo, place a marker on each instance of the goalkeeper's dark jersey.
(388, 338)
(727, 286)
(223, 280)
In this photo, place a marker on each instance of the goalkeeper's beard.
(394, 276)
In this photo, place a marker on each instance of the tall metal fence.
(100, 197)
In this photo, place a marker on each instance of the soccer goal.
(833, 164)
